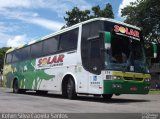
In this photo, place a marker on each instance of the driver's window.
(95, 56)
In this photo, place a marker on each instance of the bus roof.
(72, 27)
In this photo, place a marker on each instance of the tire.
(107, 96)
(71, 94)
(22, 91)
(16, 87)
(64, 90)
(41, 92)
(97, 95)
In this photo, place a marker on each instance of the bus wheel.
(71, 94)
(41, 92)
(97, 95)
(22, 90)
(107, 96)
(15, 87)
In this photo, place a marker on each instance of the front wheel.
(40, 92)
(71, 94)
(107, 96)
(16, 87)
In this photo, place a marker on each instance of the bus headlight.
(146, 88)
(110, 77)
(147, 79)
(117, 86)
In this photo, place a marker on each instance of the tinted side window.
(17, 56)
(95, 62)
(95, 27)
(69, 40)
(89, 30)
(36, 50)
(8, 58)
(95, 50)
(108, 26)
(85, 46)
(26, 53)
(50, 45)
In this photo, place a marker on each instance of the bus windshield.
(126, 54)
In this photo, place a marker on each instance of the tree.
(76, 15)
(106, 12)
(144, 14)
(2, 54)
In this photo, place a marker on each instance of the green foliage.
(76, 15)
(2, 54)
(144, 14)
(106, 12)
(154, 92)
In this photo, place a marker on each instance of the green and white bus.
(96, 57)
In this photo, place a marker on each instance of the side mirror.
(151, 50)
(155, 50)
(107, 39)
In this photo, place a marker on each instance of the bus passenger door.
(95, 56)
(96, 65)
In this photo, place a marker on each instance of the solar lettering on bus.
(126, 31)
(50, 60)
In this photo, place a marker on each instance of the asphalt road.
(54, 103)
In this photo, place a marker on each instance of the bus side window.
(90, 30)
(17, 56)
(50, 45)
(95, 56)
(26, 53)
(69, 40)
(36, 50)
(8, 58)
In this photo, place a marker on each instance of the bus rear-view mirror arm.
(93, 37)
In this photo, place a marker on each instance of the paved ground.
(54, 103)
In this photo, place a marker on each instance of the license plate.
(133, 88)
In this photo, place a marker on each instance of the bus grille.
(134, 79)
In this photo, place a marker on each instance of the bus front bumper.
(125, 87)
